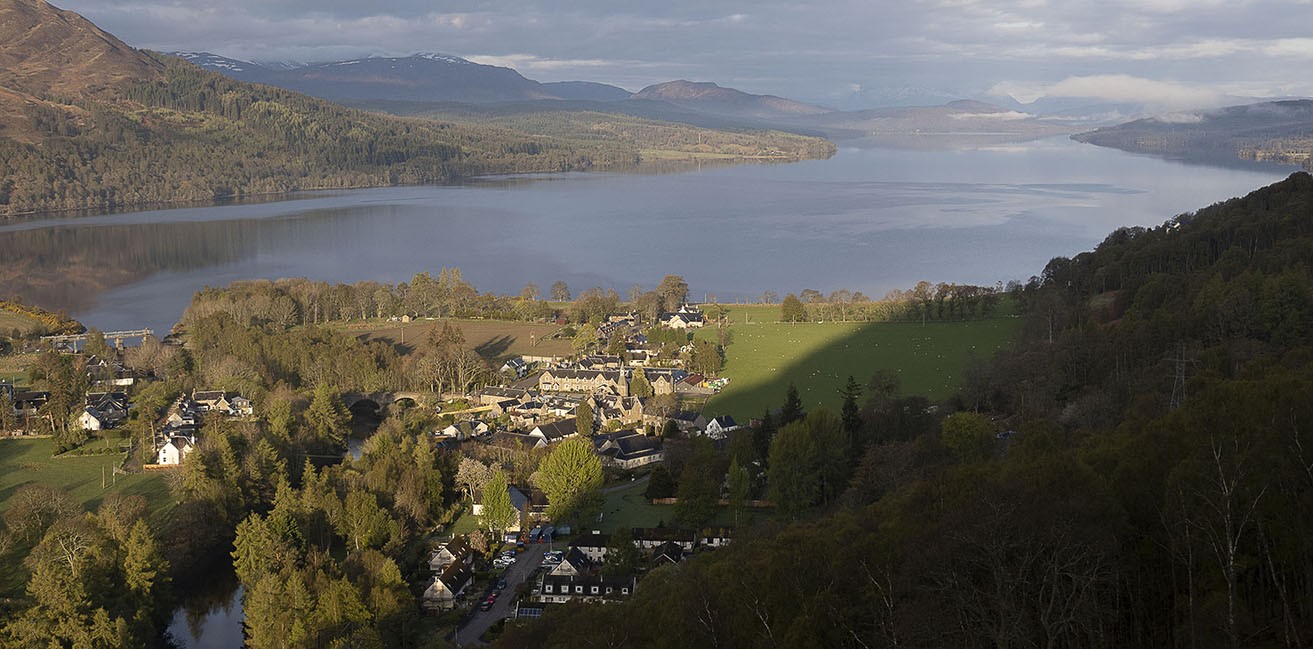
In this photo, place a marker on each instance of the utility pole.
(1178, 382)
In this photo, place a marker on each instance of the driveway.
(480, 621)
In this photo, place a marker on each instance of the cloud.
(1119, 88)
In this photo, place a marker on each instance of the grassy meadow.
(26, 461)
(764, 356)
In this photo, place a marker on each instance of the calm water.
(868, 219)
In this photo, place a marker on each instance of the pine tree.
(792, 410)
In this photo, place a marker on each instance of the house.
(588, 381)
(628, 449)
(560, 589)
(515, 367)
(668, 552)
(688, 421)
(601, 361)
(716, 537)
(457, 550)
(448, 586)
(92, 420)
(111, 406)
(720, 427)
(555, 432)
(649, 538)
(684, 319)
(230, 404)
(664, 380)
(175, 450)
(592, 545)
(574, 564)
(464, 430)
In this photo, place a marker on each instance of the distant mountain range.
(1276, 131)
(427, 77)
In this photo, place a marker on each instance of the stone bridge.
(378, 401)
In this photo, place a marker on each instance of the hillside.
(1278, 131)
(423, 77)
(125, 128)
(1072, 495)
(712, 98)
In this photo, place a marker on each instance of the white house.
(720, 427)
(175, 450)
(92, 420)
(447, 587)
(515, 366)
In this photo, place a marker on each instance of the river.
(869, 219)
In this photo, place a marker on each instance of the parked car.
(501, 584)
(486, 605)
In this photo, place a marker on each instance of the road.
(479, 621)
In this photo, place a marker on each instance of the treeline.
(588, 126)
(1078, 495)
(924, 302)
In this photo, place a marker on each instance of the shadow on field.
(819, 357)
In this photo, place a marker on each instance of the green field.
(10, 321)
(764, 357)
(28, 461)
(628, 507)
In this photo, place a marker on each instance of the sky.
(1168, 54)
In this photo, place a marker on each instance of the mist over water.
(868, 219)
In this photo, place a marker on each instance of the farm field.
(28, 461)
(9, 321)
(628, 507)
(495, 340)
(764, 357)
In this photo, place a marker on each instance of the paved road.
(480, 621)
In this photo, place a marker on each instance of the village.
(625, 404)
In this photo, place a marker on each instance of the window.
(579, 590)
(624, 591)
(608, 590)
(548, 588)
(594, 590)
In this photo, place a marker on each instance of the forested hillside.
(1276, 131)
(136, 128)
(1081, 495)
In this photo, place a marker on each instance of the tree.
(967, 434)
(792, 310)
(851, 414)
(639, 386)
(762, 435)
(530, 292)
(673, 291)
(660, 484)
(471, 475)
(325, 416)
(571, 476)
(699, 486)
(792, 410)
(740, 486)
(9, 419)
(707, 357)
(560, 291)
(498, 512)
(622, 556)
(585, 338)
(792, 474)
(584, 419)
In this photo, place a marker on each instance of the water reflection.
(211, 616)
(869, 219)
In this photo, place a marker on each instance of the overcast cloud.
(1171, 53)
